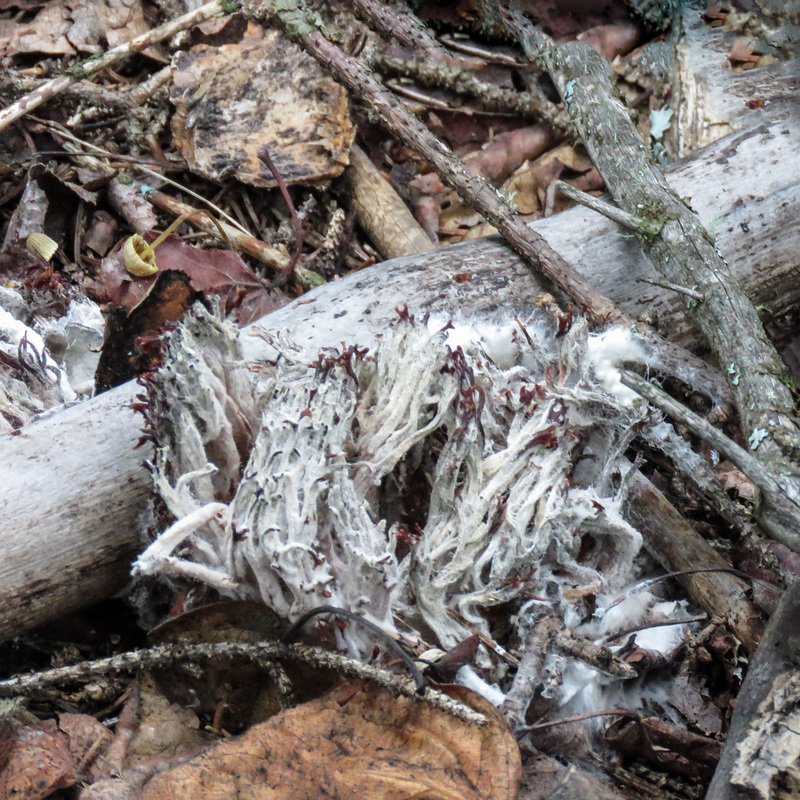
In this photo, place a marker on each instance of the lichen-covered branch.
(599, 309)
(684, 253)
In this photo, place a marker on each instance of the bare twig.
(89, 67)
(450, 168)
(685, 290)
(263, 654)
(394, 22)
(243, 242)
(284, 274)
(596, 204)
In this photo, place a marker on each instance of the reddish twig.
(284, 274)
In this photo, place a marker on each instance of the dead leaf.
(612, 40)
(35, 761)
(732, 478)
(356, 741)
(507, 151)
(76, 27)
(275, 97)
(528, 185)
(714, 15)
(242, 692)
(88, 740)
(689, 694)
(100, 234)
(742, 53)
(163, 728)
(132, 343)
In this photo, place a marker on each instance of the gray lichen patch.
(499, 458)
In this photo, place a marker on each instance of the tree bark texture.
(777, 659)
(73, 489)
(679, 245)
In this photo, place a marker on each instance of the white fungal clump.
(452, 470)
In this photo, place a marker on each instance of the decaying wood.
(771, 681)
(381, 212)
(710, 100)
(73, 488)
(677, 546)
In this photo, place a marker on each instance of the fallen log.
(73, 488)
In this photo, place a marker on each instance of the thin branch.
(435, 73)
(263, 654)
(647, 626)
(611, 712)
(673, 287)
(284, 274)
(596, 204)
(394, 22)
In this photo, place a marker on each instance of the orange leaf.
(356, 741)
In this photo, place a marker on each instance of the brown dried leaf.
(732, 478)
(742, 53)
(101, 232)
(612, 40)
(88, 740)
(275, 97)
(356, 741)
(689, 694)
(528, 185)
(163, 728)
(35, 762)
(76, 26)
(507, 151)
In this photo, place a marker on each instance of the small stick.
(646, 627)
(53, 87)
(434, 73)
(469, 186)
(262, 654)
(394, 22)
(596, 204)
(612, 712)
(65, 134)
(290, 634)
(298, 228)
(694, 294)
(243, 242)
